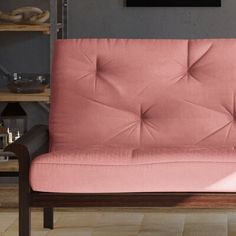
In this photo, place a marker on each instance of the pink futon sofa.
(134, 123)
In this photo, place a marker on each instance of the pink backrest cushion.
(143, 93)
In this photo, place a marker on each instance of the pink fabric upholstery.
(133, 170)
(143, 93)
(140, 94)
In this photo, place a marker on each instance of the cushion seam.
(137, 164)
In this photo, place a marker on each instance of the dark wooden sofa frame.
(36, 142)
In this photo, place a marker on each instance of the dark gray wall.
(109, 18)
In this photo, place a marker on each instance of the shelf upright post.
(64, 18)
(53, 28)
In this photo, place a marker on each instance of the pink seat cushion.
(104, 169)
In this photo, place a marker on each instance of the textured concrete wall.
(109, 18)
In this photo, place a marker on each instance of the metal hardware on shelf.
(65, 19)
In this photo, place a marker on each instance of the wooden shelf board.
(8, 195)
(45, 28)
(22, 27)
(6, 96)
(9, 166)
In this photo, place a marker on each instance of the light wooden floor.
(127, 222)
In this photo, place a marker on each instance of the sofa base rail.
(178, 200)
(36, 142)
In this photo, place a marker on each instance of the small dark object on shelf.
(27, 83)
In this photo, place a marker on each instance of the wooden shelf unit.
(8, 195)
(44, 28)
(7, 96)
(9, 166)
(54, 30)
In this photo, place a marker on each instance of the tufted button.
(140, 112)
(189, 71)
(98, 67)
(143, 116)
(234, 118)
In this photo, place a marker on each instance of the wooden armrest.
(34, 143)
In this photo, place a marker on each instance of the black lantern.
(14, 119)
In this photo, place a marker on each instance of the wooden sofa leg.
(24, 218)
(24, 205)
(48, 218)
(24, 201)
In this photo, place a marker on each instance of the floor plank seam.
(185, 216)
(227, 225)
